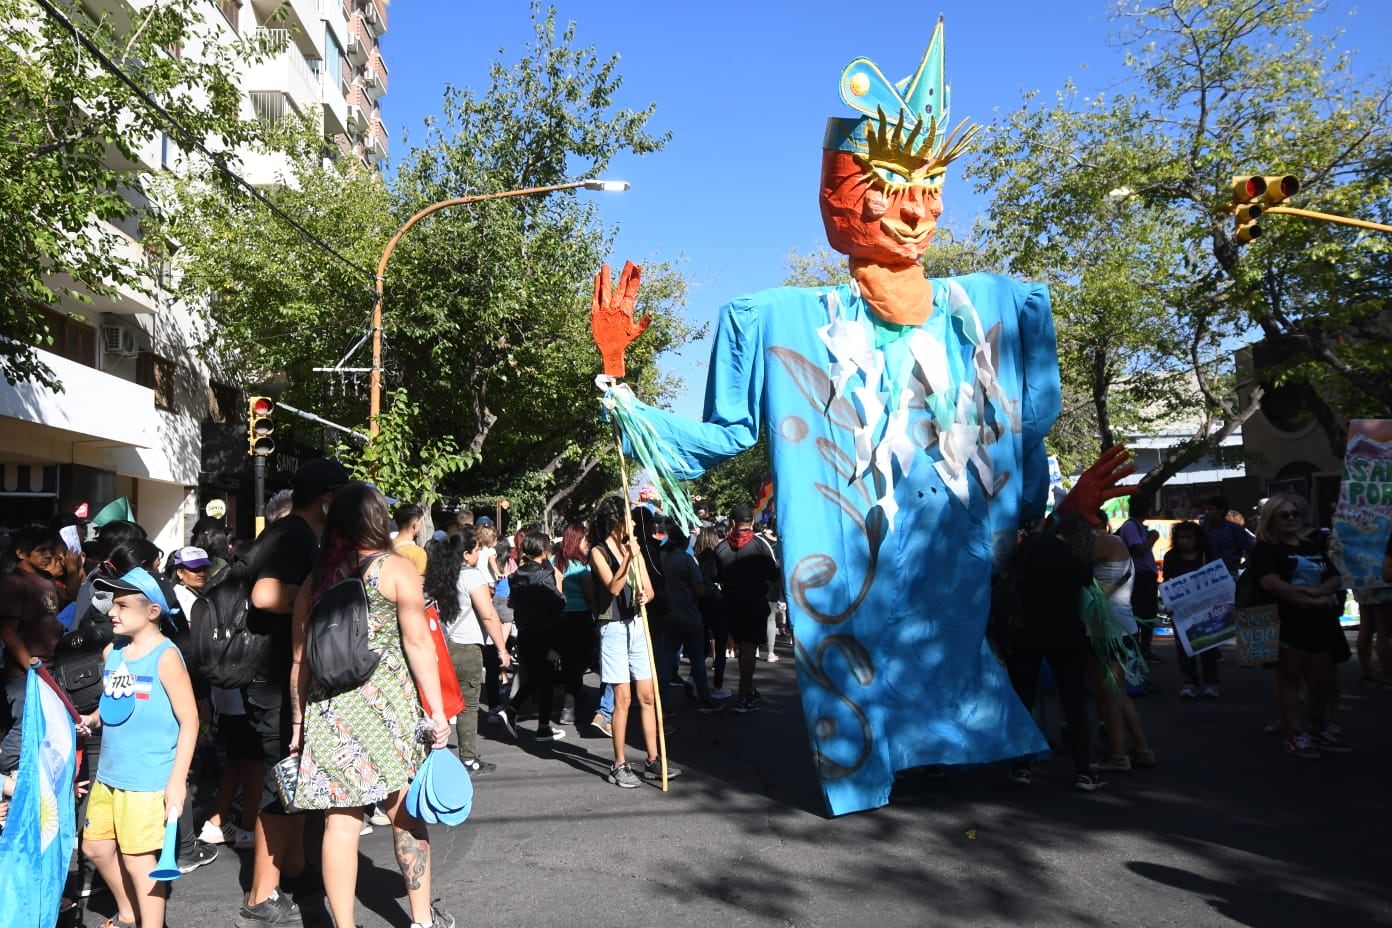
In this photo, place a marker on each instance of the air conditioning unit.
(119, 340)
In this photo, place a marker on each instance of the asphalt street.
(1226, 831)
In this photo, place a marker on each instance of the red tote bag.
(449, 682)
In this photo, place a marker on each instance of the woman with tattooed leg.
(363, 746)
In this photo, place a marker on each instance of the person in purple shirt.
(1145, 589)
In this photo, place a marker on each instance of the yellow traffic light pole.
(1326, 217)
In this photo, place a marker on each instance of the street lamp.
(375, 395)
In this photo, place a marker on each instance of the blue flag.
(37, 844)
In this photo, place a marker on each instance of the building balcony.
(375, 142)
(374, 15)
(94, 405)
(335, 105)
(300, 18)
(358, 44)
(285, 71)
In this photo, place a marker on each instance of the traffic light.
(1247, 193)
(259, 425)
(1279, 188)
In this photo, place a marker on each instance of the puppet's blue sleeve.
(1040, 398)
(734, 396)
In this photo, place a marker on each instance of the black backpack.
(338, 637)
(224, 650)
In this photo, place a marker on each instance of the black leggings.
(1068, 660)
(575, 642)
(534, 643)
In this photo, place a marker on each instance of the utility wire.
(189, 141)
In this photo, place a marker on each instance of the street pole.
(258, 489)
(1325, 217)
(375, 385)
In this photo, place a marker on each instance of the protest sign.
(1363, 517)
(1202, 605)
(1258, 635)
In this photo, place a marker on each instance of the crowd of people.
(522, 624)
(283, 746)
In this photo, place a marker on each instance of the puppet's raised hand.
(611, 316)
(1098, 483)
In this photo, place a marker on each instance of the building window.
(333, 57)
(72, 339)
(157, 373)
(222, 403)
(232, 10)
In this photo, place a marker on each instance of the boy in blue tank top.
(150, 724)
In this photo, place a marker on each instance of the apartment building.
(140, 415)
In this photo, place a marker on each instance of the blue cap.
(135, 580)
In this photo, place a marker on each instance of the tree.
(736, 481)
(1151, 285)
(70, 158)
(491, 300)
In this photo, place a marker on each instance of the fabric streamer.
(643, 443)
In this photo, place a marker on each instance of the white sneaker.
(720, 694)
(366, 828)
(240, 839)
(1188, 691)
(378, 817)
(212, 834)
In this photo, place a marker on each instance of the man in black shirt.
(281, 560)
(747, 569)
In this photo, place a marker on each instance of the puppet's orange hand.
(1098, 483)
(611, 316)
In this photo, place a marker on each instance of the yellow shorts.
(135, 821)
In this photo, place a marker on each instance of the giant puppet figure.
(906, 420)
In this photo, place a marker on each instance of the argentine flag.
(37, 844)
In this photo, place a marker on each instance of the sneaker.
(690, 688)
(1143, 759)
(203, 854)
(1333, 727)
(1210, 692)
(114, 922)
(773, 658)
(508, 716)
(710, 706)
(1188, 691)
(720, 694)
(366, 828)
(623, 777)
(747, 705)
(478, 767)
(212, 834)
(567, 717)
(652, 770)
(1300, 745)
(603, 725)
(439, 918)
(1087, 782)
(1273, 728)
(241, 839)
(378, 817)
(274, 910)
(1326, 740)
(1119, 763)
(1021, 776)
(550, 733)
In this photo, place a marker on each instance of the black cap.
(317, 477)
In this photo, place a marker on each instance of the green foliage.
(1114, 201)
(735, 482)
(400, 467)
(70, 153)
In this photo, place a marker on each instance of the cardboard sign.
(1258, 635)
(1202, 604)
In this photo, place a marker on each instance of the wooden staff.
(635, 579)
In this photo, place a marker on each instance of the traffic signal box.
(1252, 194)
(259, 426)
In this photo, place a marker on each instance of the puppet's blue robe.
(888, 573)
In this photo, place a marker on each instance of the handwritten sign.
(1202, 604)
(1258, 636)
(1363, 517)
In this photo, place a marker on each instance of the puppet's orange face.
(874, 220)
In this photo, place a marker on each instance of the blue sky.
(746, 88)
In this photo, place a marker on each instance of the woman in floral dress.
(363, 746)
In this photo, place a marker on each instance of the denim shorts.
(623, 652)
